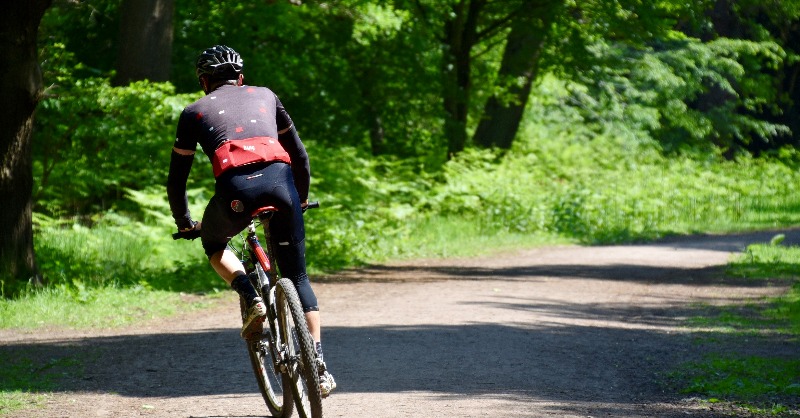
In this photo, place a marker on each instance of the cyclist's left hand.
(191, 225)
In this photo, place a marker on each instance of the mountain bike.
(282, 351)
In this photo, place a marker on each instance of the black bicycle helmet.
(220, 63)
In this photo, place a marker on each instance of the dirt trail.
(554, 332)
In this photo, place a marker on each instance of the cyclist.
(258, 160)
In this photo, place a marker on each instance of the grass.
(757, 384)
(442, 236)
(87, 307)
(763, 385)
(25, 381)
(774, 261)
(109, 276)
(15, 400)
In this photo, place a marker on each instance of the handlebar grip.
(312, 205)
(190, 235)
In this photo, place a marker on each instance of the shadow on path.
(542, 361)
(729, 242)
(621, 271)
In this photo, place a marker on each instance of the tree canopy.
(418, 81)
(428, 78)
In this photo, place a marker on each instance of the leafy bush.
(92, 140)
(613, 186)
(594, 188)
(689, 95)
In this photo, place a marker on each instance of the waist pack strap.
(239, 152)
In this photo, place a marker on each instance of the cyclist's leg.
(287, 231)
(218, 227)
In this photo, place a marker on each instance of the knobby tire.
(294, 332)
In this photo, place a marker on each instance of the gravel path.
(552, 332)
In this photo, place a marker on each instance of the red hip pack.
(239, 152)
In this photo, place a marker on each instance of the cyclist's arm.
(290, 140)
(182, 151)
(301, 169)
(179, 167)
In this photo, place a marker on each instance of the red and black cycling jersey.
(231, 113)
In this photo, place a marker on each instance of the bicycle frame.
(255, 247)
(253, 253)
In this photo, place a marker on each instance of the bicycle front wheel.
(301, 355)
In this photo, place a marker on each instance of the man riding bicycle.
(258, 160)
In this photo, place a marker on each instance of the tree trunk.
(145, 41)
(368, 81)
(20, 86)
(519, 68)
(460, 36)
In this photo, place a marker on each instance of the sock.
(241, 284)
(319, 350)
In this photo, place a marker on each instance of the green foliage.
(351, 73)
(587, 166)
(691, 96)
(359, 195)
(86, 28)
(369, 75)
(613, 187)
(91, 140)
(118, 251)
(751, 381)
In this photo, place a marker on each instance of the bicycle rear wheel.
(302, 366)
(273, 385)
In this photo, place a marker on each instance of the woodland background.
(429, 123)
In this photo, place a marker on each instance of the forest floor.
(553, 332)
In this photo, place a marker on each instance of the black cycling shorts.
(240, 192)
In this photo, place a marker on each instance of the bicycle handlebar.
(190, 234)
(195, 233)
